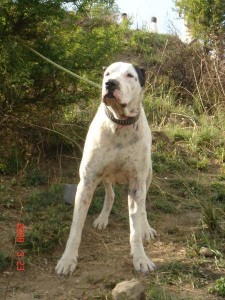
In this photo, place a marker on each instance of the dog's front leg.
(68, 261)
(136, 203)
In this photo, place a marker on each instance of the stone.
(24, 296)
(69, 193)
(129, 290)
(207, 252)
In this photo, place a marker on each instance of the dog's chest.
(116, 153)
(122, 156)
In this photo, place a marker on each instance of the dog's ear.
(141, 75)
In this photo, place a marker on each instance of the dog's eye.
(130, 75)
(107, 74)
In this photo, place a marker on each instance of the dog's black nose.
(112, 84)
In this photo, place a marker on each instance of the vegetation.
(206, 21)
(45, 115)
(4, 261)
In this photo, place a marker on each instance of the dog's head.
(122, 88)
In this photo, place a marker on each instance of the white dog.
(117, 150)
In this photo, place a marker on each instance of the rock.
(24, 296)
(69, 193)
(129, 290)
(207, 252)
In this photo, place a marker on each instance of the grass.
(33, 176)
(219, 287)
(5, 261)
(203, 238)
(189, 173)
(179, 274)
(164, 162)
(210, 216)
(176, 270)
(48, 219)
(39, 201)
(182, 182)
(46, 234)
(164, 206)
(218, 192)
(158, 292)
(11, 163)
(188, 186)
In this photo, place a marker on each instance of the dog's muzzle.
(111, 85)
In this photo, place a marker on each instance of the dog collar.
(128, 121)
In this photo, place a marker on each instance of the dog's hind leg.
(147, 231)
(102, 221)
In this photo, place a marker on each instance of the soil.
(104, 261)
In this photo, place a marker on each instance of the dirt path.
(104, 261)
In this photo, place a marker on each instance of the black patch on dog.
(132, 192)
(119, 146)
(134, 139)
(141, 75)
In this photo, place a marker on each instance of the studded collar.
(125, 122)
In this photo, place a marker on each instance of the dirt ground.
(104, 261)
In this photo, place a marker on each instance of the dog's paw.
(100, 223)
(66, 265)
(143, 264)
(148, 233)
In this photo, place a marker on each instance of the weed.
(178, 271)
(174, 269)
(158, 292)
(164, 206)
(221, 175)
(210, 216)
(202, 238)
(33, 177)
(202, 163)
(4, 261)
(205, 137)
(48, 218)
(40, 200)
(218, 191)
(163, 162)
(46, 234)
(6, 199)
(3, 167)
(12, 163)
(219, 287)
(187, 186)
(9, 202)
(159, 105)
(178, 133)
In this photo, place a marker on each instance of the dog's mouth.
(112, 98)
(108, 97)
(114, 103)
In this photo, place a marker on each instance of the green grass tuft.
(4, 261)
